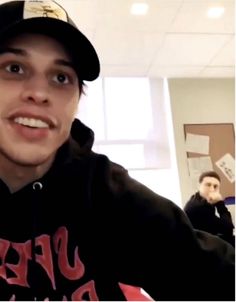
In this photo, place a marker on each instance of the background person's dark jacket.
(87, 225)
(203, 217)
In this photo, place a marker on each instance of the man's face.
(209, 185)
(38, 98)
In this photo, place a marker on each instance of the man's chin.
(28, 159)
(30, 162)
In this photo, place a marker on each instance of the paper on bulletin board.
(227, 165)
(197, 143)
(196, 166)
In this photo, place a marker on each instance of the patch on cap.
(37, 8)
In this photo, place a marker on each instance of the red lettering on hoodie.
(60, 245)
(4, 246)
(89, 288)
(21, 268)
(45, 260)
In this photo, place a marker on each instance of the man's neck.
(17, 176)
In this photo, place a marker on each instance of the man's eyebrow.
(15, 51)
(65, 63)
(22, 52)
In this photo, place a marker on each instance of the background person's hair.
(209, 174)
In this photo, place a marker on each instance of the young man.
(75, 226)
(206, 208)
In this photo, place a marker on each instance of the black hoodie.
(86, 225)
(202, 216)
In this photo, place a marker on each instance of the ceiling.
(175, 39)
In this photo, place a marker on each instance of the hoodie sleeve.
(153, 246)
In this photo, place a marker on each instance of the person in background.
(74, 225)
(206, 208)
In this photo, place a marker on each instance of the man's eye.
(61, 78)
(14, 68)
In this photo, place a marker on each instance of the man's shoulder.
(195, 201)
(99, 169)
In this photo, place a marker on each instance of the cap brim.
(83, 54)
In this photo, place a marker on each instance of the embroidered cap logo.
(34, 9)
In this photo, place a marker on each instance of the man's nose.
(36, 90)
(212, 189)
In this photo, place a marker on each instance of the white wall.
(198, 101)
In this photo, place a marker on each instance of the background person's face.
(209, 185)
(38, 99)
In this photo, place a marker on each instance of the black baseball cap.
(49, 18)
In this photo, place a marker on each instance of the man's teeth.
(31, 122)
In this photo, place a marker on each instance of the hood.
(79, 144)
(82, 136)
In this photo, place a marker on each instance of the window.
(129, 117)
(128, 108)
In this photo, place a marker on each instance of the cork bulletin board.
(216, 144)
